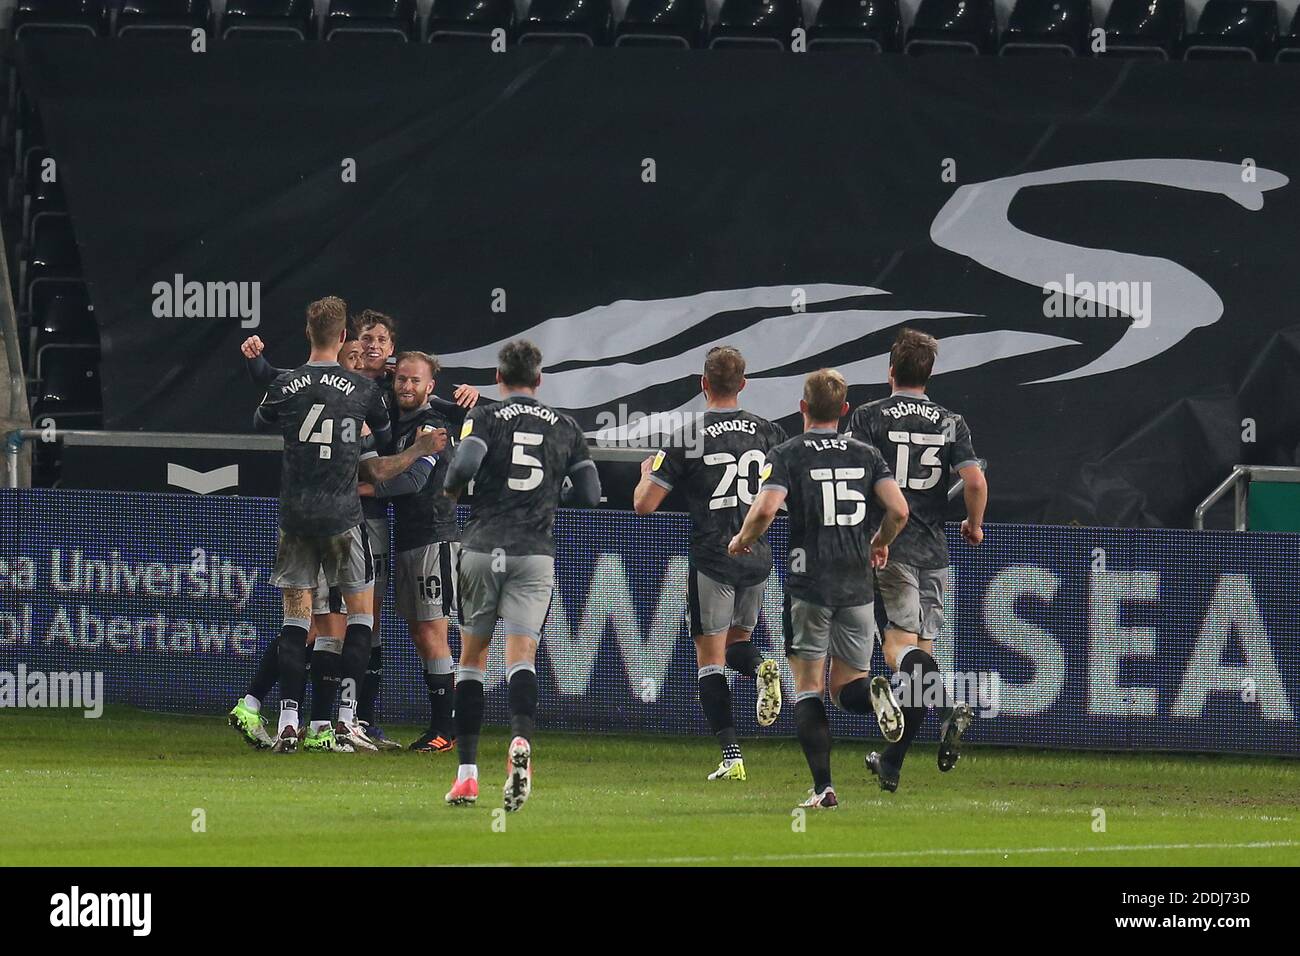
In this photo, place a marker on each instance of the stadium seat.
(451, 21)
(282, 20)
(953, 26)
(870, 25)
(756, 24)
(23, 122)
(568, 22)
(1145, 29)
(679, 23)
(67, 380)
(392, 21)
(39, 197)
(53, 257)
(25, 179)
(161, 19)
(1051, 27)
(62, 313)
(1234, 30)
(88, 17)
(1289, 46)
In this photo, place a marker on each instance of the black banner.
(627, 209)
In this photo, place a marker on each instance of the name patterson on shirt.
(508, 412)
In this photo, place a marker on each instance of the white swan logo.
(781, 349)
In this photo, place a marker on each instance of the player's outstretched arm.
(975, 489)
(408, 482)
(260, 370)
(759, 518)
(377, 470)
(466, 396)
(585, 490)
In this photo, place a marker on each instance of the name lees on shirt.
(826, 444)
(335, 381)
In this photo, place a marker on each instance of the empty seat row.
(1247, 29)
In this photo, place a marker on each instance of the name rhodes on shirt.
(730, 425)
(508, 412)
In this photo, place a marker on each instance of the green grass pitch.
(124, 790)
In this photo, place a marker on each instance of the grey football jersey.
(427, 516)
(830, 485)
(530, 449)
(923, 442)
(319, 409)
(719, 478)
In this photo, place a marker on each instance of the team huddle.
(866, 509)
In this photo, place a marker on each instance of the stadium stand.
(1234, 30)
(54, 315)
(1051, 27)
(1145, 29)
(866, 25)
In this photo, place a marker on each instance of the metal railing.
(1238, 482)
(15, 440)
(17, 412)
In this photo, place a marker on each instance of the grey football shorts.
(913, 598)
(716, 607)
(325, 599)
(377, 528)
(846, 633)
(424, 581)
(343, 559)
(515, 588)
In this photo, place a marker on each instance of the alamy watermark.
(77, 690)
(981, 689)
(75, 908)
(179, 299)
(622, 427)
(1098, 300)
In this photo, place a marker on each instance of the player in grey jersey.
(518, 453)
(376, 339)
(828, 483)
(427, 544)
(925, 443)
(320, 409)
(719, 479)
(328, 618)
